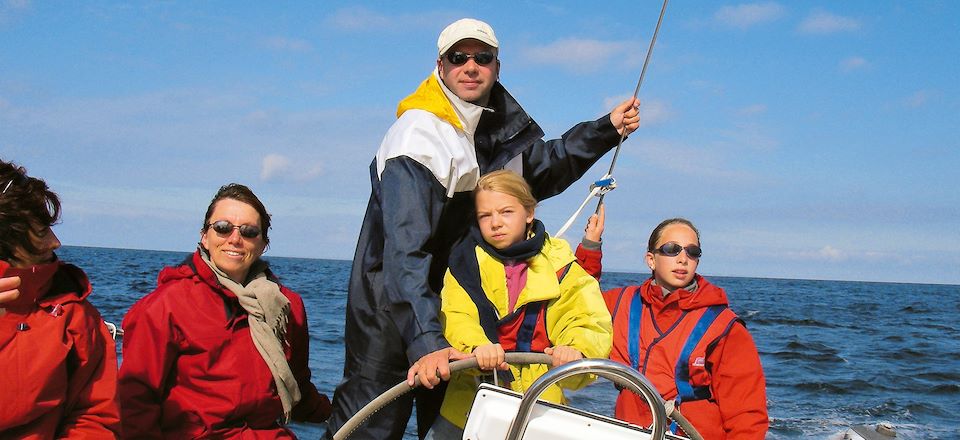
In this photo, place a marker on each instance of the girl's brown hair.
(658, 231)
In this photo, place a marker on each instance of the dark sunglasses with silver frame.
(672, 249)
(224, 227)
(482, 58)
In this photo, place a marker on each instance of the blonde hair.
(510, 183)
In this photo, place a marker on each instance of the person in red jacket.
(220, 349)
(677, 329)
(59, 362)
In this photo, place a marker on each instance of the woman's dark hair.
(243, 194)
(27, 207)
(658, 231)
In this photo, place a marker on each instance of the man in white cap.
(459, 124)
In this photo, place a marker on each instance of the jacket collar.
(706, 295)
(433, 96)
(504, 121)
(522, 250)
(48, 284)
(508, 127)
(194, 266)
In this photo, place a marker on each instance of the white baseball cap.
(466, 28)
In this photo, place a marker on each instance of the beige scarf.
(268, 312)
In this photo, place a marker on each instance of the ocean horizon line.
(617, 271)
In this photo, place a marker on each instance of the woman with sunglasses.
(59, 363)
(678, 330)
(220, 348)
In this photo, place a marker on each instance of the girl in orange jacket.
(678, 330)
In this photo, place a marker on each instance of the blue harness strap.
(525, 333)
(685, 390)
(636, 312)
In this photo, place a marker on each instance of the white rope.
(576, 214)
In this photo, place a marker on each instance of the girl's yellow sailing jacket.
(576, 316)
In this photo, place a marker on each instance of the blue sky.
(806, 139)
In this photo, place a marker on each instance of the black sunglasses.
(672, 249)
(224, 227)
(481, 58)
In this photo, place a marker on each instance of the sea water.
(835, 353)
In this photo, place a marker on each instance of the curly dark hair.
(27, 207)
(243, 194)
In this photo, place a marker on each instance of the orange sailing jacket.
(720, 381)
(59, 362)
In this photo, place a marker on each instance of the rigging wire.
(606, 184)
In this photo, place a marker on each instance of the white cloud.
(279, 167)
(749, 14)
(823, 22)
(850, 64)
(581, 55)
(826, 253)
(830, 253)
(287, 44)
(652, 112)
(273, 165)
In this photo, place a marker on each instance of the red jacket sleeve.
(590, 260)
(739, 386)
(149, 348)
(313, 406)
(91, 406)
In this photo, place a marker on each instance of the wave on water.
(793, 322)
(836, 388)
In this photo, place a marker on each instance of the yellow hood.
(434, 97)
